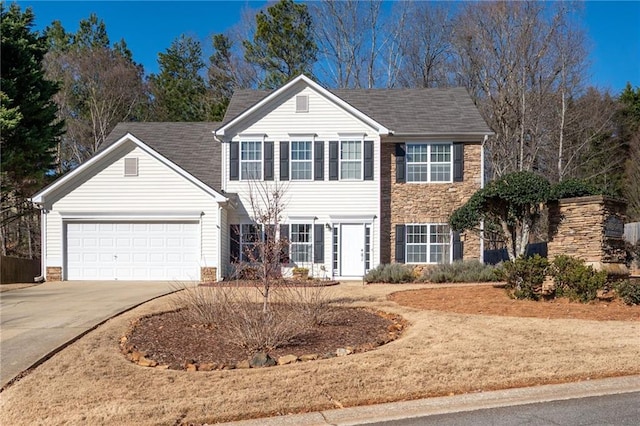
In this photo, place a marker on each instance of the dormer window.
(131, 166)
(302, 103)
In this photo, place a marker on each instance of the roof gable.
(251, 105)
(401, 111)
(97, 160)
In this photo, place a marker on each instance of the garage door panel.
(133, 251)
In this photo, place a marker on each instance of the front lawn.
(439, 353)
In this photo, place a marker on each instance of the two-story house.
(366, 177)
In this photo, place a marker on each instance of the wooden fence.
(17, 270)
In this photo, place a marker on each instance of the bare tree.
(426, 48)
(110, 88)
(263, 247)
(359, 45)
(513, 57)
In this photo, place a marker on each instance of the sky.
(149, 27)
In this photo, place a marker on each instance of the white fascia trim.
(39, 198)
(303, 135)
(357, 113)
(301, 219)
(133, 216)
(353, 218)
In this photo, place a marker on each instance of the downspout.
(219, 245)
(482, 178)
(43, 244)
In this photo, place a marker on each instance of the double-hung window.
(250, 237)
(428, 243)
(300, 243)
(251, 160)
(301, 160)
(429, 162)
(351, 160)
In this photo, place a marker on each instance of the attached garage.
(132, 251)
(138, 212)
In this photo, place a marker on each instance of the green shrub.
(629, 291)
(460, 271)
(524, 276)
(571, 188)
(393, 273)
(575, 280)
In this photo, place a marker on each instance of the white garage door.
(133, 251)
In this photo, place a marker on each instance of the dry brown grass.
(441, 353)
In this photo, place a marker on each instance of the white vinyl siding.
(301, 159)
(428, 243)
(431, 162)
(315, 198)
(157, 191)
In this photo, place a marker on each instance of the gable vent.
(302, 103)
(131, 166)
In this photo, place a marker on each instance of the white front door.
(352, 254)
(132, 251)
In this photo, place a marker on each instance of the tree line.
(523, 63)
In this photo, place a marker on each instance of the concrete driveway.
(37, 321)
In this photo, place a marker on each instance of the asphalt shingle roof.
(404, 111)
(189, 145)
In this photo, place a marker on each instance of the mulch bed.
(171, 340)
(487, 300)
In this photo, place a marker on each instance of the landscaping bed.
(172, 340)
(488, 300)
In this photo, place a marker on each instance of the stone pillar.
(54, 273)
(208, 274)
(589, 228)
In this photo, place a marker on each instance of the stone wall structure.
(54, 273)
(208, 274)
(405, 203)
(590, 228)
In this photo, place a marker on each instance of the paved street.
(38, 320)
(618, 410)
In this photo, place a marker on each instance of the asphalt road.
(36, 321)
(619, 410)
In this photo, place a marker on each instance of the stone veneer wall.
(404, 203)
(578, 227)
(208, 274)
(54, 273)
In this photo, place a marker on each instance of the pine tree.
(26, 147)
(29, 129)
(179, 91)
(283, 45)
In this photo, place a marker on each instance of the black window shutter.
(284, 240)
(268, 161)
(318, 160)
(234, 161)
(457, 246)
(401, 165)
(234, 246)
(284, 160)
(400, 244)
(333, 160)
(318, 243)
(368, 160)
(458, 162)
